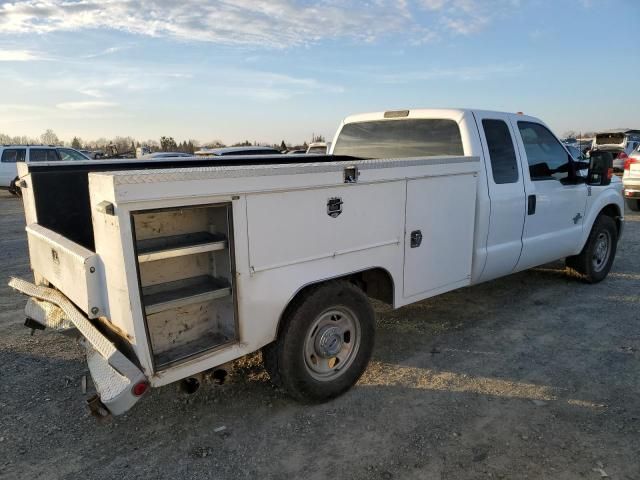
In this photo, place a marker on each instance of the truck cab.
(534, 204)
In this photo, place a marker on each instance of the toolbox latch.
(351, 174)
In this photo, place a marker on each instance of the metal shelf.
(178, 245)
(166, 296)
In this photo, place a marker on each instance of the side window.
(547, 158)
(504, 164)
(43, 155)
(67, 155)
(13, 155)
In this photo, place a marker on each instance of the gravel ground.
(531, 376)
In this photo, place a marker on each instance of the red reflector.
(140, 388)
(610, 173)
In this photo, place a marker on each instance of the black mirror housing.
(600, 168)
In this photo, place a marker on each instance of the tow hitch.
(33, 325)
(97, 408)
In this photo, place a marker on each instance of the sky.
(272, 70)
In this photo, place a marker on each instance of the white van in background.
(620, 143)
(10, 155)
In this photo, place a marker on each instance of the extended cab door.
(506, 194)
(555, 203)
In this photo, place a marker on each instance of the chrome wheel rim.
(602, 251)
(332, 343)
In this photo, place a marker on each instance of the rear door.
(506, 193)
(555, 205)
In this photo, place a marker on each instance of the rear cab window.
(400, 139)
(13, 155)
(610, 138)
(547, 158)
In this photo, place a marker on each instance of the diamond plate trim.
(112, 372)
(48, 314)
(131, 177)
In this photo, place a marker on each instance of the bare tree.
(50, 138)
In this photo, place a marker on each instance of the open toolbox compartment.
(186, 271)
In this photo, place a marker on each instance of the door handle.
(416, 238)
(531, 204)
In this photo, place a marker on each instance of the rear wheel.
(325, 342)
(596, 258)
(14, 188)
(633, 204)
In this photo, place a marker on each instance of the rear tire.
(324, 343)
(633, 204)
(596, 258)
(15, 189)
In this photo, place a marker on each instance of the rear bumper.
(114, 375)
(632, 192)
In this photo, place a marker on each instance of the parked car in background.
(142, 151)
(151, 156)
(620, 143)
(631, 180)
(318, 148)
(10, 155)
(224, 151)
(90, 154)
(575, 152)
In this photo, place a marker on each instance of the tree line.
(129, 144)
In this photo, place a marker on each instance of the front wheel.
(596, 258)
(633, 204)
(325, 342)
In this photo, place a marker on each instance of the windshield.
(609, 138)
(400, 139)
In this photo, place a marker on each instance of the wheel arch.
(375, 282)
(609, 203)
(612, 210)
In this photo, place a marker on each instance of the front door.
(555, 204)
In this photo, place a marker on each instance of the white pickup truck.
(172, 269)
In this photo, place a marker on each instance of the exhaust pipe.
(190, 385)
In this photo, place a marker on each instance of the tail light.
(140, 388)
(628, 161)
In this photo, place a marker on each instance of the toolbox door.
(440, 214)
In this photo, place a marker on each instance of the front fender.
(609, 198)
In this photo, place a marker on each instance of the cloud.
(255, 23)
(86, 105)
(461, 73)
(18, 55)
(269, 86)
(107, 51)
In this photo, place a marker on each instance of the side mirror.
(600, 168)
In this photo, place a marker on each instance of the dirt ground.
(532, 376)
